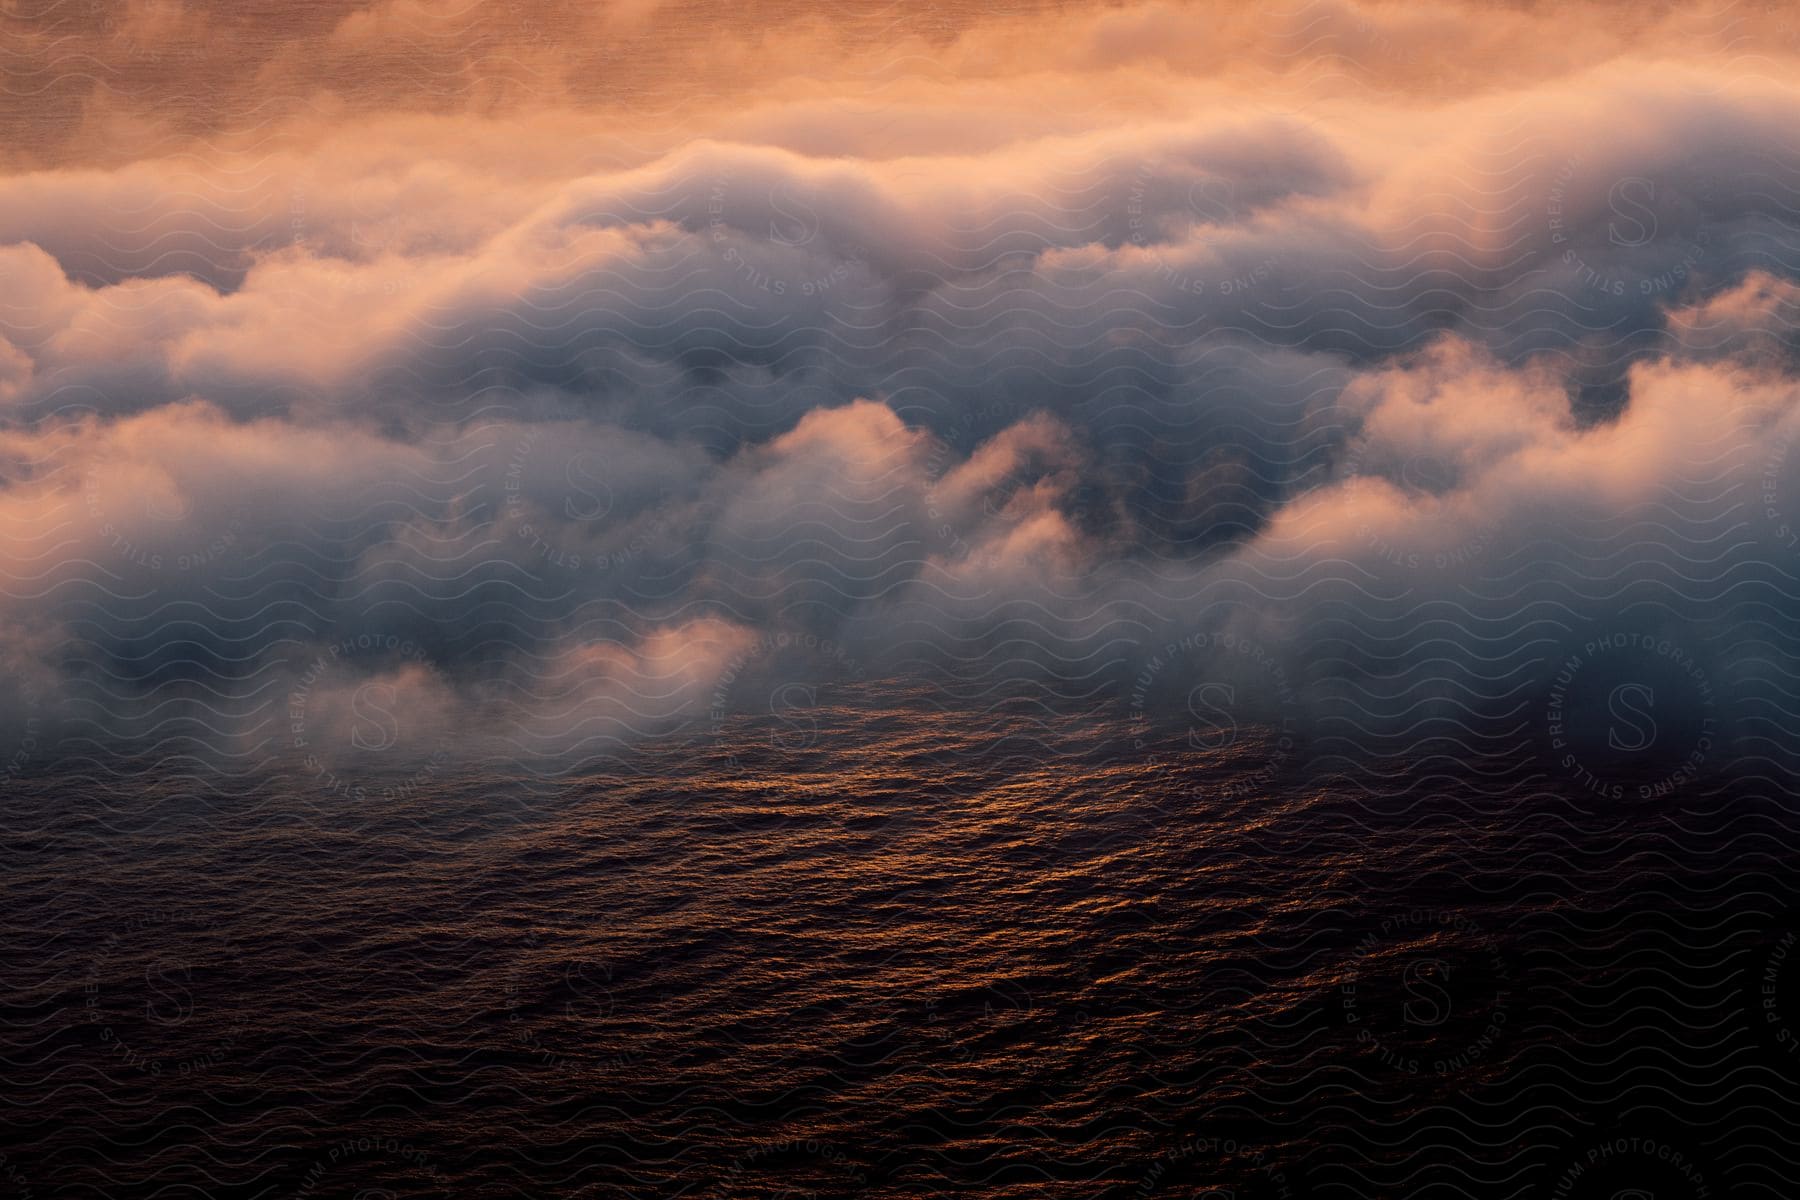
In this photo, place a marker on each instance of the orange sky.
(1117, 306)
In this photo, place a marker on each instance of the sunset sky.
(576, 350)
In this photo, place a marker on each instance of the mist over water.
(669, 598)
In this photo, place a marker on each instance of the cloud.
(1011, 360)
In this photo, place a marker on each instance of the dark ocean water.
(896, 954)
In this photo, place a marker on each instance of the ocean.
(891, 951)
